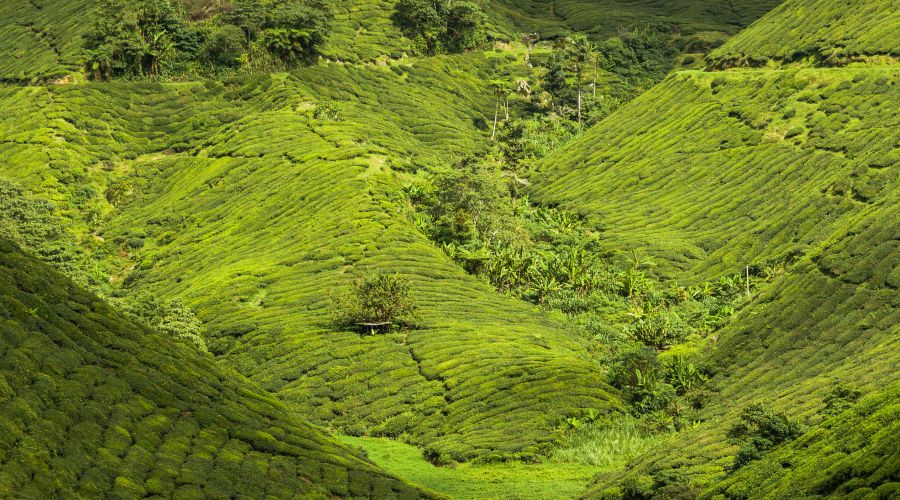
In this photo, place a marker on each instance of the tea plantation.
(654, 254)
(823, 31)
(96, 405)
(793, 167)
(321, 197)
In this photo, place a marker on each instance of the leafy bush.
(683, 375)
(840, 399)
(171, 317)
(759, 430)
(379, 301)
(224, 46)
(437, 26)
(659, 330)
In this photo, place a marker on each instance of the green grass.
(92, 404)
(825, 31)
(485, 481)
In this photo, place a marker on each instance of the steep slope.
(853, 454)
(826, 31)
(604, 17)
(748, 167)
(711, 172)
(93, 404)
(833, 320)
(254, 211)
(41, 39)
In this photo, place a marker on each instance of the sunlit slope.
(711, 172)
(254, 210)
(853, 454)
(832, 320)
(95, 405)
(41, 39)
(829, 31)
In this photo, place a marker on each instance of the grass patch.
(501, 480)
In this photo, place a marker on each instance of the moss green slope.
(93, 405)
(833, 320)
(253, 210)
(824, 30)
(712, 172)
(746, 167)
(41, 39)
(853, 454)
(605, 17)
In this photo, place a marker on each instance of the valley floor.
(485, 481)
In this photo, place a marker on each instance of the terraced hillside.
(40, 39)
(253, 210)
(605, 17)
(833, 320)
(94, 404)
(711, 172)
(826, 31)
(749, 167)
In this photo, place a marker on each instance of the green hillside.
(318, 204)
(749, 167)
(824, 31)
(597, 264)
(604, 17)
(41, 39)
(94, 404)
(793, 171)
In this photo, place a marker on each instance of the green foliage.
(469, 203)
(840, 399)
(817, 30)
(435, 26)
(132, 38)
(136, 38)
(378, 301)
(759, 430)
(171, 317)
(224, 46)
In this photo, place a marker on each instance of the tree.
(436, 26)
(471, 202)
(171, 317)
(579, 51)
(378, 301)
(500, 89)
(224, 46)
(132, 38)
(759, 430)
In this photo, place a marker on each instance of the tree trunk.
(496, 116)
(579, 105)
(507, 109)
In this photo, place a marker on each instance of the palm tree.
(579, 51)
(500, 89)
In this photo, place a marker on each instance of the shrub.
(436, 27)
(841, 398)
(378, 301)
(659, 330)
(683, 375)
(170, 317)
(759, 430)
(224, 46)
